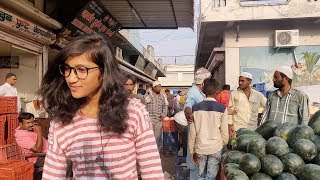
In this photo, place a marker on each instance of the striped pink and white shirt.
(99, 155)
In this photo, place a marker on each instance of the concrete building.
(33, 31)
(258, 37)
(178, 77)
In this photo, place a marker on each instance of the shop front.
(23, 51)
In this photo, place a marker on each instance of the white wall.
(234, 11)
(27, 75)
(260, 34)
(178, 76)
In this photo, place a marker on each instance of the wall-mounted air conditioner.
(118, 53)
(286, 38)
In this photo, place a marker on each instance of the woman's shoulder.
(137, 109)
(135, 103)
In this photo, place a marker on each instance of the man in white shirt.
(245, 102)
(8, 89)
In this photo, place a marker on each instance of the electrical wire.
(165, 37)
(201, 14)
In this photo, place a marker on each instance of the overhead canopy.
(151, 14)
(210, 36)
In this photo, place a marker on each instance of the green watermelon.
(316, 160)
(231, 143)
(224, 157)
(309, 172)
(286, 176)
(290, 150)
(237, 175)
(292, 162)
(267, 129)
(300, 132)
(243, 131)
(277, 146)
(249, 164)
(284, 129)
(316, 142)
(230, 167)
(314, 122)
(271, 165)
(257, 147)
(260, 176)
(305, 149)
(233, 157)
(244, 140)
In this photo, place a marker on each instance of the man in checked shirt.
(157, 106)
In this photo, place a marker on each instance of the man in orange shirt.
(224, 96)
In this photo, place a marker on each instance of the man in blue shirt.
(193, 96)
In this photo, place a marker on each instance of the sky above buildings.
(173, 45)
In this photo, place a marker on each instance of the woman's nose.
(72, 77)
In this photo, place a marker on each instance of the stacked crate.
(8, 123)
(16, 170)
(170, 138)
(182, 171)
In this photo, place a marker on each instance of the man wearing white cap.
(157, 106)
(193, 96)
(246, 102)
(286, 104)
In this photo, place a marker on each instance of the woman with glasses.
(96, 126)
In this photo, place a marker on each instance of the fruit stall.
(275, 151)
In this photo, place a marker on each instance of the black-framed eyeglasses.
(81, 72)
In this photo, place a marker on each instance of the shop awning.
(151, 14)
(210, 36)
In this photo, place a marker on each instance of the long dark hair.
(113, 101)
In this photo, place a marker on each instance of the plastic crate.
(8, 109)
(13, 123)
(16, 170)
(170, 150)
(260, 86)
(170, 138)
(8, 101)
(11, 152)
(169, 126)
(3, 120)
(8, 104)
(182, 171)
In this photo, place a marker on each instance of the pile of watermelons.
(275, 151)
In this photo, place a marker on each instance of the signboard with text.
(92, 18)
(18, 24)
(9, 61)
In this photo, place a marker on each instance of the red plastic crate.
(13, 123)
(16, 170)
(11, 152)
(169, 126)
(8, 109)
(3, 120)
(8, 104)
(8, 101)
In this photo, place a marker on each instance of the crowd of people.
(106, 129)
